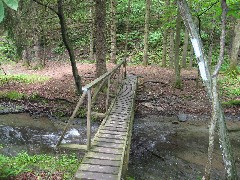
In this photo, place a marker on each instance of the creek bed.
(34, 134)
(162, 147)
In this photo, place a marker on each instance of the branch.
(46, 6)
(222, 38)
(208, 8)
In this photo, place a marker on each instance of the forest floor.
(156, 93)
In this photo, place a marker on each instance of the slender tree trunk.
(191, 56)
(25, 57)
(146, 33)
(113, 31)
(127, 28)
(164, 53)
(235, 47)
(69, 47)
(225, 145)
(100, 41)
(37, 52)
(210, 48)
(178, 82)
(171, 51)
(91, 28)
(185, 49)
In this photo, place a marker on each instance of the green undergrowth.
(231, 103)
(37, 164)
(230, 89)
(14, 95)
(22, 78)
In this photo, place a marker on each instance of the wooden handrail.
(87, 92)
(96, 81)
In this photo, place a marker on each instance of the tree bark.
(235, 47)
(191, 56)
(25, 56)
(100, 41)
(164, 53)
(91, 28)
(37, 52)
(178, 82)
(127, 28)
(171, 51)
(113, 31)
(69, 47)
(146, 32)
(185, 49)
(210, 83)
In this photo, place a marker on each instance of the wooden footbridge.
(107, 156)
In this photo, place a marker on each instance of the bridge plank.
(112, 157)
(86, 175)
(108, 156)
(100, 168)
(107, 144)
(106, 140)
(106, 150)
(101, 161)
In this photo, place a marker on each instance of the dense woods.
(178, 35)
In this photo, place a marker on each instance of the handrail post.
(125, 67)
(108, 89)
(89, 120)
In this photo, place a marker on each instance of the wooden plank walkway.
(108, 157)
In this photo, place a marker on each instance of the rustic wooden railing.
(96, 85)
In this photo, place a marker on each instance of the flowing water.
(22, 132)
(162, 147)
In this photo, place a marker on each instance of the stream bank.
(163, 147)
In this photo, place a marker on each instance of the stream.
(162, 147)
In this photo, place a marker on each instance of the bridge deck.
(107, 159)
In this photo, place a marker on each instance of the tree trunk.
(164, 53)
(91, 28)
(235, 47)
(113, 31)
(171, 51)
(100, 41)
(37, 53)
(191, 56)
(127, 28)
(178, 82)
(25, 57)
(146, 33)
(225, 145)
(210, 47)
(185, 49)
(69, 47)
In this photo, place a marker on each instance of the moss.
(231, 103)
(12, 95)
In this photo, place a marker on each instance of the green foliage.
(22, 78)
(7, 50)
(59, 49)
(11, 166)
(13, 95)
(82, 112)
(230, 87)
(232, 103)
(13, 4)
(155, 39)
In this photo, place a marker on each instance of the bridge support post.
(108, 89)
(89, 120)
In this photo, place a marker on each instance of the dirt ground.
(156, 94)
